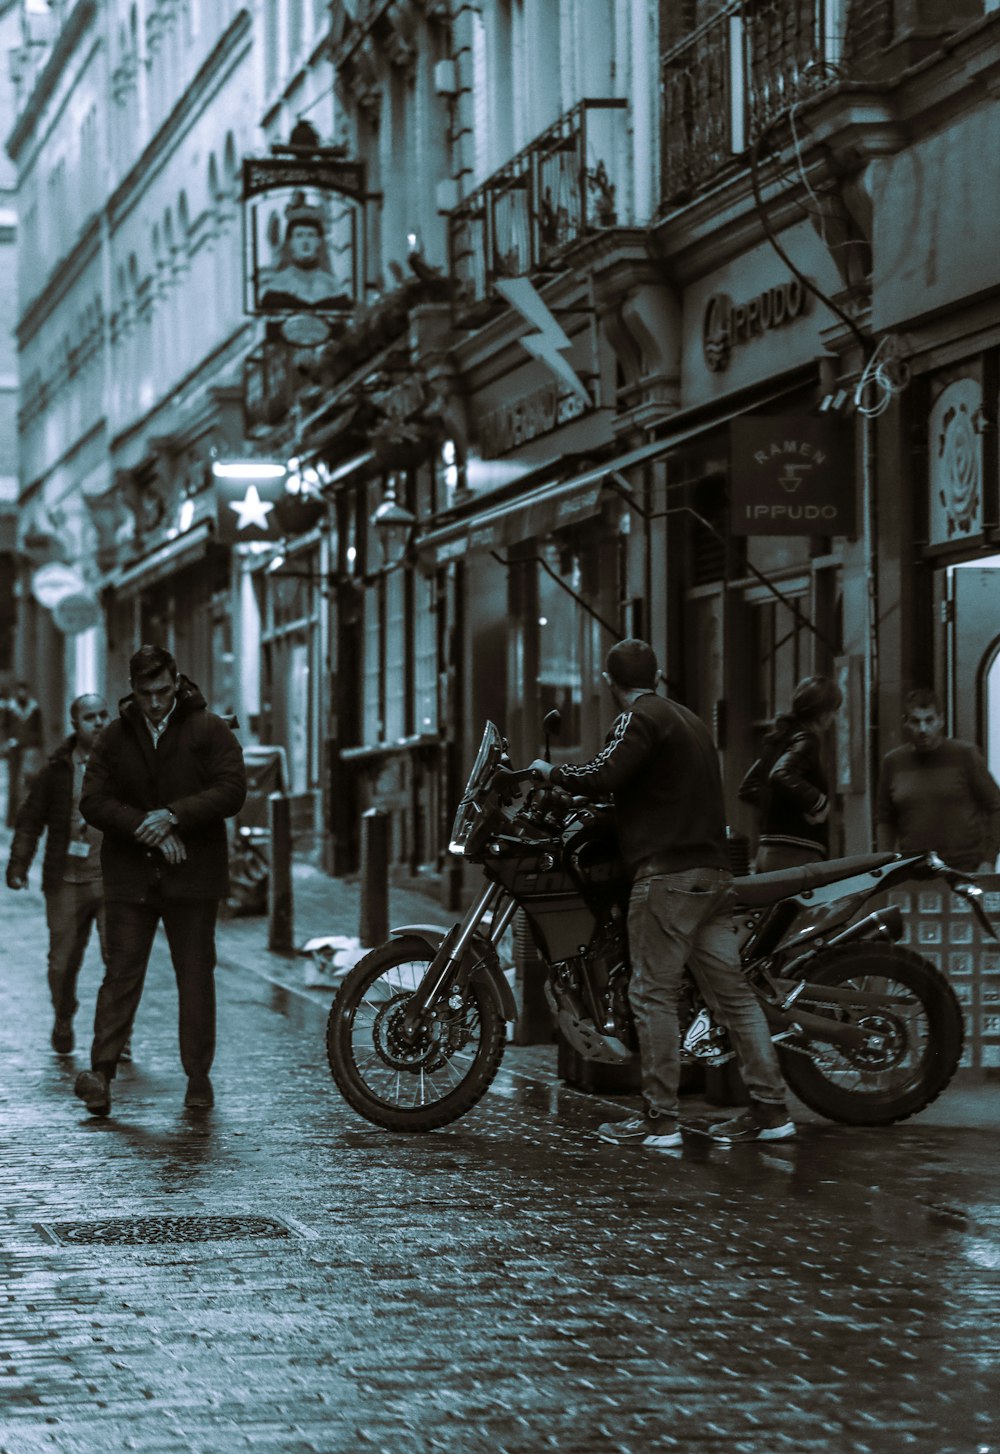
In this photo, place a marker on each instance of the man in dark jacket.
(23, 728)
(160, 784)
(71, 868)
(661, 768)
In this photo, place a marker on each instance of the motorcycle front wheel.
(402, 1084)
(919, 1025)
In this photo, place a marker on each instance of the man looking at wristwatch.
(159, 785)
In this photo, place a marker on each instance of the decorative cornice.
(69, 39)
(209, 71)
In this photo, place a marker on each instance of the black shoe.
(62, 1037)
(759, 1123)
(200, 1095)
(92, 1088)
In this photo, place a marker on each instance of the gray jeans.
(71, 910)
(678, 920)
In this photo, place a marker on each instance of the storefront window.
(782, 653)
(560, 622)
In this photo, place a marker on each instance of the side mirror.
(551, 726)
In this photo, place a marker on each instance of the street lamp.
(394, 525)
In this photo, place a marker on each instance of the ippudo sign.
(790, 474)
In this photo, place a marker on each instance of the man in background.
(71, 868)
(936, 793)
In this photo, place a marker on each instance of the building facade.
(658, 327)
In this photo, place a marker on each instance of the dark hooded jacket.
(196, 770)
(47, 807)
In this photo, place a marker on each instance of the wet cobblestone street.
(512, 1284)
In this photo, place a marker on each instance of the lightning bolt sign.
(547, 344)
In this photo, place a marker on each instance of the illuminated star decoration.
(252, 510)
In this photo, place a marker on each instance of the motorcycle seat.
(757, 890)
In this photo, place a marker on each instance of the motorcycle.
(868, 1032)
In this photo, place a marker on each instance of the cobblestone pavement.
(511, 1284)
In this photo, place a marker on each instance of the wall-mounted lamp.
(394, 525)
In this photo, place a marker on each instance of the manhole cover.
(130, 1231)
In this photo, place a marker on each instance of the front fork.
(444, 967)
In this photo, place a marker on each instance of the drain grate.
(136, 1231)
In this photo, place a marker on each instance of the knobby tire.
(945, 1036)
(472, 1087)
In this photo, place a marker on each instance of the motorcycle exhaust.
(883, 924)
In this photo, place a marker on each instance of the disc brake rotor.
(429, 1050)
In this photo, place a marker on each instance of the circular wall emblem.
(51, 583)
(957, 456)
(75, 613)
(717, 332)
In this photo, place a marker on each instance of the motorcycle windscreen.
(468, 812)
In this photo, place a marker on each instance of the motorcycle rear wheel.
(924, 1034)
(398, 1085)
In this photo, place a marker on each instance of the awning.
(186, 549)
(549, 508)
(564, 502)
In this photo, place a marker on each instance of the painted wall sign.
(955, 461)
(790, 475)
(726, 324)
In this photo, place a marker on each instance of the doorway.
(972, 654)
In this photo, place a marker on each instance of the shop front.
(756, 489)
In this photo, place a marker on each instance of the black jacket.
(47, 808)
(660, 764)
(790, 789)
(196, 770)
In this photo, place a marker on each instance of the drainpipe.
(869, 506)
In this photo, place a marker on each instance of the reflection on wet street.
(512, 1283)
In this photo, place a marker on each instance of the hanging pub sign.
(303, 240)
(790, 474)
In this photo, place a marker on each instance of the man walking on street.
(936, 793)
(660, 765)
(71, 868)
(23, 725)
(160, 784)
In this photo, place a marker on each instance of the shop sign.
(790, 475)
(75, 613)
(246, 509)
(302, 230)
(527, 418)
(727, 325)
(268, 386)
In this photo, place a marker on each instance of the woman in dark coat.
(787, 782)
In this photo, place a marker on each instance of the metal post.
(374, 926)
(280, 904)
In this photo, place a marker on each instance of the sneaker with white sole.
(642, 1131)
(759, 1123)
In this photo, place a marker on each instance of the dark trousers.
(190, 929)
(71, 910)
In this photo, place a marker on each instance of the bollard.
(280, 903)
(374, 926)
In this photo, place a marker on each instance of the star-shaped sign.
(252, 510)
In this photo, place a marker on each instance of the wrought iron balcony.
(564, 185)
(724, 83)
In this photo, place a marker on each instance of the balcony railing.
(724, 84)
(564, 185)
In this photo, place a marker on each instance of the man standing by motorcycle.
(660, 766)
